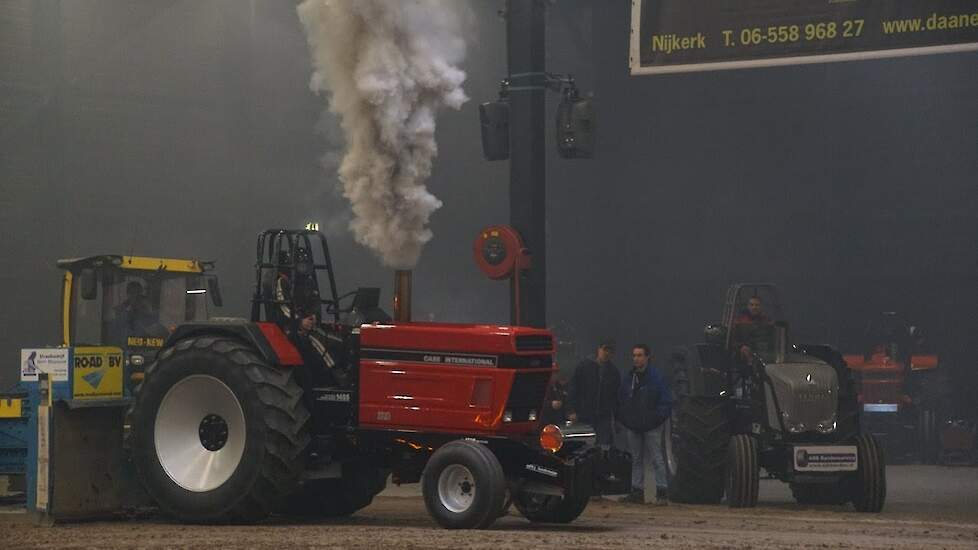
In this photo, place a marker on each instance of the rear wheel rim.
(199, 433)
(456, 488)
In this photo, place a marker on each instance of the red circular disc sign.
(496, 250)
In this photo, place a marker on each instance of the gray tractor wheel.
(868, 487)
(696, 447)
(743, 472)
(218, 435)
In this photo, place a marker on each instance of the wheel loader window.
(86, 317)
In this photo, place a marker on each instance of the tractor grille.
(528, 392)
(534, 342)
(526, 361)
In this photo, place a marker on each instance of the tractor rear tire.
(743, 472)
(540, 508)
(868, 485)
(463, 486)
(218, 435)
(696, 449)
(818, 493)
(338, 497)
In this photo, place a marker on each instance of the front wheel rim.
(456, 488)
(199, 433)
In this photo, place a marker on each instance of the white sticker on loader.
(838, 458)
(53, 361)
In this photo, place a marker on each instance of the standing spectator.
(555, 405)
(593, 395)
(645, 405)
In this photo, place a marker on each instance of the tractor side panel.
(405, 394)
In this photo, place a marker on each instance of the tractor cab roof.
(144, 263)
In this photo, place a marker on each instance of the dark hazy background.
(182, 128)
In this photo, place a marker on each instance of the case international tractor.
(903, 392)
(237, 419)
(748, 399)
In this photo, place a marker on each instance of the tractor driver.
(313, 345)
(311, 340)
(303, 287)
(752, 330)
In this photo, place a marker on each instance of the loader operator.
(135, 316)
(752, 331)
(311, 340)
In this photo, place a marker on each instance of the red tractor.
(237, 419)
(902, 391)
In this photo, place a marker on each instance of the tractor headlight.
(508, 416)
(532, 416)
(136, 360)
(827, 427)
(551, 438)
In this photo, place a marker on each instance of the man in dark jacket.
(593, 395)
(645, 404)
(555, 404)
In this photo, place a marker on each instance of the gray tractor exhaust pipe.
(780, 342)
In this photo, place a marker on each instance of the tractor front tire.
(868, 487)
(218, 435)
(696, 445)
(463, 486)
(743, 472)
(539, 508)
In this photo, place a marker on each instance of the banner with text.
(670, 36)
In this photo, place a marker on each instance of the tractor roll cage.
(273, 241)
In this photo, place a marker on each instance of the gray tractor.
(747, 398)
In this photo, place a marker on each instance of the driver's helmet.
(303, 261)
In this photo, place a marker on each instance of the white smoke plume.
(388, 66)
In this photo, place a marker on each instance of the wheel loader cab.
(132, 302)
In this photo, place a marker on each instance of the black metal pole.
(526, 51)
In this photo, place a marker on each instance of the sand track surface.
(929, 507)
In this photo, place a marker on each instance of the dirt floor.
(928, 507)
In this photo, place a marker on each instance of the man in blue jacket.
(644, 405)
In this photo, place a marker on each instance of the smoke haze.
(388, 68)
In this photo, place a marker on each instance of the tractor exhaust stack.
(402, 295)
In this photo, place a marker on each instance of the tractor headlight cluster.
(532, 416)
(827, 427)
(791, 426)
(508, 416)
(551, 438)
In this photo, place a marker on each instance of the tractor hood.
(807, 393)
